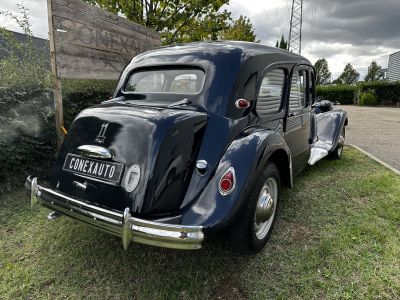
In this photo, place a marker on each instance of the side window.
(271, 90)
(298, 90)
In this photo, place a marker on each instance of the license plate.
(89, 167)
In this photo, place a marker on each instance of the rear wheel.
(253, 229)
(337, 153)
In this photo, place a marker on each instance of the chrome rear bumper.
(117, 223)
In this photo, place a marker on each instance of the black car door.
(297, 127)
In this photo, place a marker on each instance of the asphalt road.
(376, 130)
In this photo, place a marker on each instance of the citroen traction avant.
(197, 139)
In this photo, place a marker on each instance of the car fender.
(329, 127)
(247, 154)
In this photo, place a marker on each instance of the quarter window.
(271, 90)
(298, 89)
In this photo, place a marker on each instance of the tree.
(349, 75)
(322, 74)
(374, 72)
(177, 21)
(337, 81)
(283, 44)
(240, 30)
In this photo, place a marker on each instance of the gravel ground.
(376, 130)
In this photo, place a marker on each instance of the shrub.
(368, 98)
(80, 94)
(387, 93)
(27, 125)
(27, 135)
(342, 93)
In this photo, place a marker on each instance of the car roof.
(248, 49)
(228, 65)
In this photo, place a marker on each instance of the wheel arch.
(215, 211)
(282, 160)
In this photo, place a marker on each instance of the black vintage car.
(198, 138)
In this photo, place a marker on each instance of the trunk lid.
(163, 143)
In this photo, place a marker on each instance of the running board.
(316, 155)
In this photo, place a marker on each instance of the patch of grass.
(337, 237)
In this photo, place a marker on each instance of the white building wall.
(393, 73)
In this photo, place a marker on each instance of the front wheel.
(254, 227)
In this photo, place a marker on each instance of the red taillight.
(227, 182)
(242, 103)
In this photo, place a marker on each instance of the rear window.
(177, 81)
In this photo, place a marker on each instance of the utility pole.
(296, 23)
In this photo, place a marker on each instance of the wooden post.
(58, 103)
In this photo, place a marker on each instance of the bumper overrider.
(120, 224)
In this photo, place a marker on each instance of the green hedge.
(386, 93)
(27, 130)
(344, 94)
(80, 94)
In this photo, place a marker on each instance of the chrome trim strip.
(120, 224)
(94, 151)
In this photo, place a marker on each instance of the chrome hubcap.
(266, 208)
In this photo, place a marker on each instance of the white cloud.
(37, 12)
(341, 31)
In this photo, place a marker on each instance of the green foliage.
(283, 44)
(322, 74)
(374, 72)
(80, 94)
(240, 30)
(25, 66)
(27, 129)
(368, 98)
(27, 134)
(349, 75)
(178, 21)
(27, 126)
(343, 94)
(387, 93)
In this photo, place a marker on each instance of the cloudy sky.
(342, 31)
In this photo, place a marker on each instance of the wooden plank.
(90, 37)
(74, 72)
(89, 41)
(76, 50)
(58, 103)
(98, 13)
(86, 24)
(88, 62)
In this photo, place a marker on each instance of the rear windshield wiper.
(185, 101)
